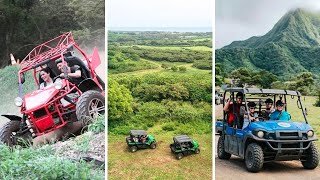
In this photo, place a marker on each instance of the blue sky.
(159, 13)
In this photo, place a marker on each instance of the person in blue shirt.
(280, 113)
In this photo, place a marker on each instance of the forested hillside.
(289, 48)
(160, 82)
(26, 23)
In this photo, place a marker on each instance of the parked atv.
(183, 145)
(139, 139)
(43, 110)
(267, 140)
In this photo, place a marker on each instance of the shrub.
(182, 69)
(174, 68)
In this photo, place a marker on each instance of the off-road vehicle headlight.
(58, 85)
(310, 133)
(260, 134)
(18, 101)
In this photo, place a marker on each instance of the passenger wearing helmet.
(229, 107)
(251, 116)
(280, 113)
(269, 109)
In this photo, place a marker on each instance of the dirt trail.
(234, 168)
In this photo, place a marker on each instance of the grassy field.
(194, 48)
(159, 163)
(159, 69)
(164, 114)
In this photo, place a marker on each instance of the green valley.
(160, 82)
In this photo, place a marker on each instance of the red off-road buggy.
(43, 110)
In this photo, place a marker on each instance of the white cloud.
(160, 13)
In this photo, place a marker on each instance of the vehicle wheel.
(179, 156)
(197, 151)
(90, 105)
(254, 157)
(312, 159)
(221, 153)
(7, 132)
(133, 149)
(153, 145)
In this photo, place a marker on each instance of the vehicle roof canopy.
(182, 138)
(264, 91)
(138, 132)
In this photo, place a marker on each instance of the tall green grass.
(41, 163)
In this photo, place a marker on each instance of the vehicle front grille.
(289, 134)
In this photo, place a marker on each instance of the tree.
(244, 75)
(304, 82)
(164, 66)
(264, 78)
(135, 57)
(219, 75)
(174, 68)
(119, 101)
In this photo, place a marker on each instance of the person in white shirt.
(45, 76)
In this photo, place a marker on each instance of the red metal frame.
(52, 49)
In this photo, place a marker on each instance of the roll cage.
(258, 96)
(48, 52)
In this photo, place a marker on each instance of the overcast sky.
(160, 13)
(242, 19)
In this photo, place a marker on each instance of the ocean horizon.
(166, 29)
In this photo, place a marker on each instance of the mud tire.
(179, 156)
(254, 157)
(7, 130)
(133, 149)
(153, 145)
(222, 154)
(90, 104)
(312, 159)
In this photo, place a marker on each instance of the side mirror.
(298, 104)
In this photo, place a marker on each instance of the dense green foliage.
(167, 98)
(289, 48)
(160, 38)
(41, 163)
(119, 62)
(128, 50)
(246, 76)
(119, 101)
(98, 125)
(27, 23)
(172, 96)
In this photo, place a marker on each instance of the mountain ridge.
(290, 47)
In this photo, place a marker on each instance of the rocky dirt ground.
(85, 146)
(234, 168)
